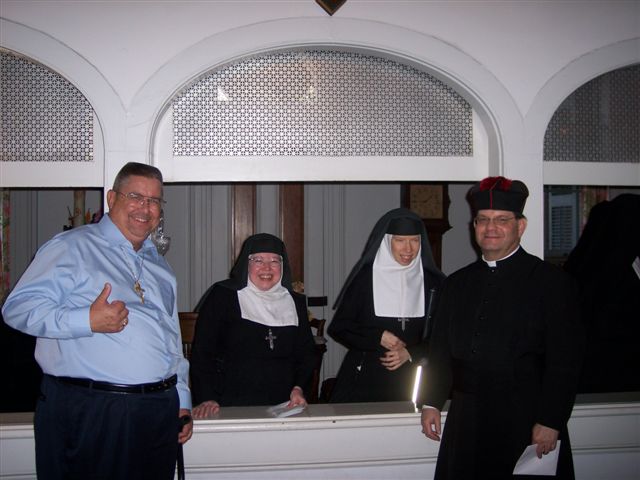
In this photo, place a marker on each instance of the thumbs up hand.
(105, 316)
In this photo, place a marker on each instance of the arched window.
(598, 122)
(50, 133)
(320, 115)
(598, 125)
(44, 117)
(321, 103)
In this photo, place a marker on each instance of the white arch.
(495, 107)
(549, 99)
(109, 110)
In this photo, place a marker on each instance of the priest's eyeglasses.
(263, 262)
(133, 198)
(497, 221)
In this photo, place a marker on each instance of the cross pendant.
(403, 320)
(270, 338)
(139, 290)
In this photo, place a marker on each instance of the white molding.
(50, 174)
(324, 169)
(592, 173)
(496, 117)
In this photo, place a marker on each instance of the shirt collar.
(494, 263)
(115, 237)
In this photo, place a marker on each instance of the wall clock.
(430, 201)
(427, 200)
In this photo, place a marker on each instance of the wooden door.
(291, 221)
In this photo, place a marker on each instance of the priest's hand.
(391, 342)
(394, 359)
(187, 427)
(206, 409)
(105, 316)
(296, 398)
(430, 419)
(544, 438)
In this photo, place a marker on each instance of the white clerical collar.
(274, 307)
(494, 263)
(398, 290)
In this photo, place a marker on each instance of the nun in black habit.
(383, 311)
(253, 344)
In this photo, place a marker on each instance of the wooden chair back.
(187, 328)
(318, 324)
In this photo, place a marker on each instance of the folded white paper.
(530, 464)
(281, 410)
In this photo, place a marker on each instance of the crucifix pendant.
(139, 290)
(403, 320)
(270, 338)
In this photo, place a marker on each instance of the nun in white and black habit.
(253, 344)
(383, 311)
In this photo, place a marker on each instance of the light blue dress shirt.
(52, 299)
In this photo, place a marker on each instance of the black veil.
(373, 243)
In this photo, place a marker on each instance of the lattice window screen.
(321, 103)
(43, 117)
(599, 122)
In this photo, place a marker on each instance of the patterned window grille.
(599, 122)
(321, 103)
(43, 117)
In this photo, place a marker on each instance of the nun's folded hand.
(394, 359)
(391, 342)
(205, 409)
(296, 398)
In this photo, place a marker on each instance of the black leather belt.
(154, 387)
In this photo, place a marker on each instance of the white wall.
(457, 243)
(522, 43)
(514, 61)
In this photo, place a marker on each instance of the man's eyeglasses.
(133, 198)
(263, 262)
(497, 221)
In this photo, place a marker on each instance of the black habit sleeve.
(208, 344)
(305, 354)
(565, 343)
(436, 380)
(351, 325)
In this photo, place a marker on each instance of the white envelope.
(281, 410)
(530, 464)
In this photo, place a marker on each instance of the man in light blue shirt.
(102, 302)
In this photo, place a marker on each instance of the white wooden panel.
(349, 441)
(591, 173)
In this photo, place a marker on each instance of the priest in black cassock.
(383, 312)
(253, 344)
(508, 345)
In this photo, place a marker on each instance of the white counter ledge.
(337, 441)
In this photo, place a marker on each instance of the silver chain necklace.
(136, 278)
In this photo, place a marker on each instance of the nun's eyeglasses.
(263, 262)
